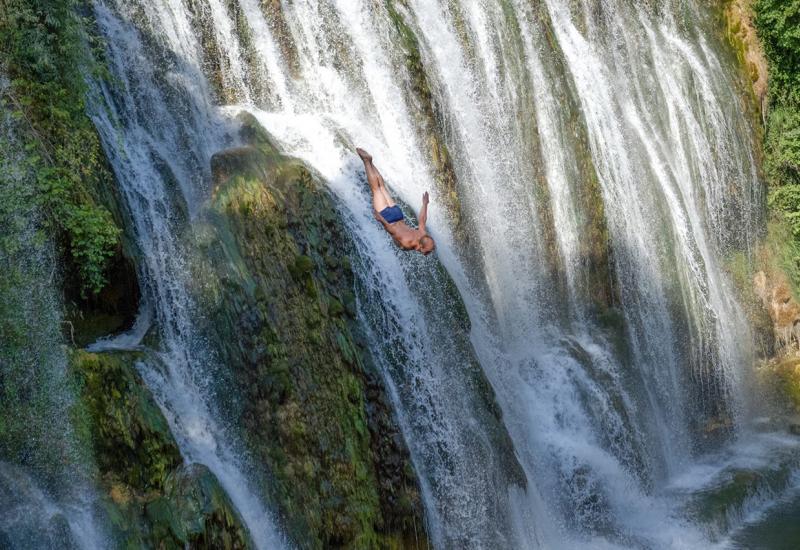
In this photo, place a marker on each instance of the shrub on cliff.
(778, 24)
(44, 52)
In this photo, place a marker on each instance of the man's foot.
(366, 157)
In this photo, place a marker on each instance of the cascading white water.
(35, 518)
(531, 359)
(157, 136)
(536, 100)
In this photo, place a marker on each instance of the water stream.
(161, 160)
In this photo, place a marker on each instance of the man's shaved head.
(427, 244)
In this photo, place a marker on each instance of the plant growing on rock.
(45, 53)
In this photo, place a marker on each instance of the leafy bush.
(782, 146)
(44, 51)
(786, 199)
(778, 23)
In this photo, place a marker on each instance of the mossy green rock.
(713, 505)
(314, 412)
(192, 511)
(129, 434)
(717, 505)
(195, 510)
(783, 377)
(153, 500)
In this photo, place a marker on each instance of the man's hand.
(378, 216)
(425, 199)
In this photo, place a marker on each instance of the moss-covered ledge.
(280, 295)
(153, 499)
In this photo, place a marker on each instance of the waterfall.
(604, 174)
(161, 160)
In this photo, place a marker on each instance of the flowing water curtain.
(683, 170)
(653, 298)
(524, 296)
(583, 179)
(366, 106)
(657, 299)
(160, 124)
(476, 79)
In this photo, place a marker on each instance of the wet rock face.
(784, 375)
(129, 434)
(195, 511)
(153, 499)
(779, 372)
(314, 411)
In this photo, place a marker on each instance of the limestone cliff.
(758, 31)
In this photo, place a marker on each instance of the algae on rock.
(129, 433)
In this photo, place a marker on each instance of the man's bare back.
(391, 217)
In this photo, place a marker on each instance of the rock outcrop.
(776, 296)
(313, 411)
(742, 35)
(153, 499)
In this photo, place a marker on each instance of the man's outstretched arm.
(423, 214)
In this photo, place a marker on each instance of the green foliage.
(782, 146)
(45, 52)
(93, 238)
(783, 248)
(778, 23)
(786, 199)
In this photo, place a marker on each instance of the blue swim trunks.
(392, 214)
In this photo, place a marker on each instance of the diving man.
(391, 217)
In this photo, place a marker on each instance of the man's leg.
(380, 196)
(386, 194)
